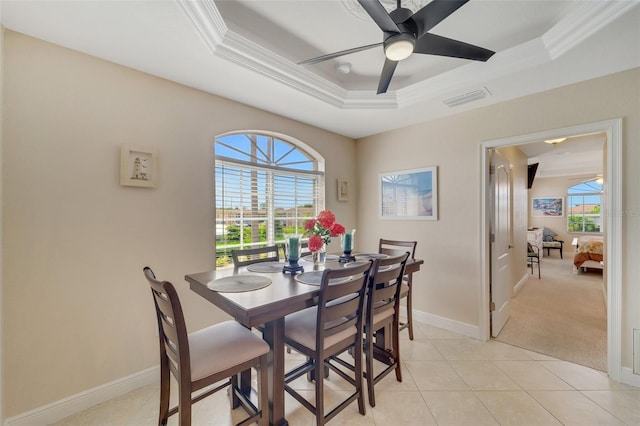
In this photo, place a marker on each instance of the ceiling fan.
(406, 33)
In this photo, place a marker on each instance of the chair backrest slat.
(397, 247)
(250, 256)
(341, 301)
(172, 329)
(383, 290)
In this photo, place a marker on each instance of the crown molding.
(587, 20)
(566, 34)
(207, 21)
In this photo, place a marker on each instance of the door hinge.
(492, 238)
(493, 306)
(492, 170)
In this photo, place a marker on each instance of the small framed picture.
(138, 166)
(547, 206)
(343, 190)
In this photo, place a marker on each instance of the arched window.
(583, 210)
(266, 187)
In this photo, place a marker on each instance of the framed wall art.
(138, 166)
(547, 206)
(409, 194)
(343, 190)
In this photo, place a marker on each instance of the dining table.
(266, 307)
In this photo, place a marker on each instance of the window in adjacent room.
(583, 212)
(266, 187)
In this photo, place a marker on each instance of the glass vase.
(347, 245)
(319, 257)
(292, 247)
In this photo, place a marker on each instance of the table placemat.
(371, 256)
(239, 283)
(266, 267)
(315, 278)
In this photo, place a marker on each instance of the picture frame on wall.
(343, 190)
(138, 166)
(409, 194)
(547, 206)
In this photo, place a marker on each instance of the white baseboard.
(628, 378)
(453, 326)
(66, 407)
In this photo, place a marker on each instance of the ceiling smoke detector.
(343, 68)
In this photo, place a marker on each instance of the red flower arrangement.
(321, 229)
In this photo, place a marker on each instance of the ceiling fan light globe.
(555, 141)
(398, 50)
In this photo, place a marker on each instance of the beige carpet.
(562, 315)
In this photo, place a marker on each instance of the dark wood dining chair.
(244, 257)
(323, 332)
(533, 257)
(383, 311)
(304, 249)
(394, 248)
(200, 359)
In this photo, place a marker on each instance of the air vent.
(467, 97)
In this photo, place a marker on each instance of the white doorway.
(613, 221)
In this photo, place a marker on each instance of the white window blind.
(265, 188)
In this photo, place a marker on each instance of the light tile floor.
(448, 380)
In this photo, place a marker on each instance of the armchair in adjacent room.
(549, 241)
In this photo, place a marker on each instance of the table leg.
(273, 334)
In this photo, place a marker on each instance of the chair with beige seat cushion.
(382, 311)
(394, 248)
(200, 359)
(323, 332)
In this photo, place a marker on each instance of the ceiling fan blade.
(432, 44)
(434, 13)
(387, 72)
(379, 15)
(337, 54)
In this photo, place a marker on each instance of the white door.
(500, 242)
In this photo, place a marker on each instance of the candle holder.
(292, 255)
(346, 242)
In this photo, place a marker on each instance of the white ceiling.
(575, 156)
(247, 50)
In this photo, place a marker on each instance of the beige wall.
(449, 284)
(77, 311)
